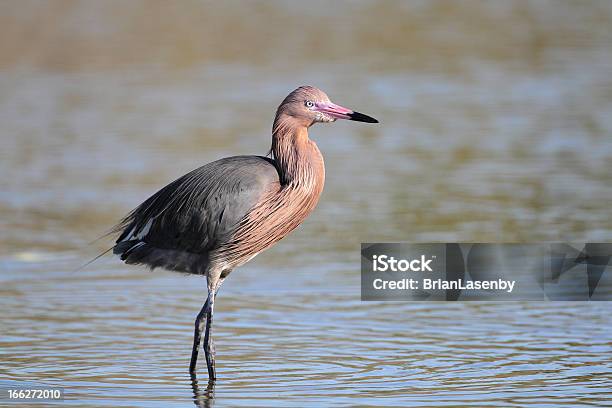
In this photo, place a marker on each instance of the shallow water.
(122, 338)
(495, 127)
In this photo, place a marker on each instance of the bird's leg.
(209, 345)
(197, 336)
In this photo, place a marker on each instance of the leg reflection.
(202, 397)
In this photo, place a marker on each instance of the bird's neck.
(298, 158)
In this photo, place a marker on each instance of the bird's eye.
(309, 104)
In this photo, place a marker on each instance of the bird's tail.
(114, 230)
(93, 260)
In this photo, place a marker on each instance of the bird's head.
(308, 105)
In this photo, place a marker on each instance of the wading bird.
(219, 216)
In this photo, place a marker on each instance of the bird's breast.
(279, 211)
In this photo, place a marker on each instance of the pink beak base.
(339, 112)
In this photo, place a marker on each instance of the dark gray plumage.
(178, 227)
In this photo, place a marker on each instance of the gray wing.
(195, 214)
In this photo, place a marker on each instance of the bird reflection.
(203, 397)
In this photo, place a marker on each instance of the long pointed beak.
(339, 112)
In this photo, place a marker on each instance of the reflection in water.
(495, 126)
(203, 398)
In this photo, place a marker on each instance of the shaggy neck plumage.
(292, 150)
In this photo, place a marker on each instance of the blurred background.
(496, 124)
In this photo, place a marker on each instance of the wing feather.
(199, 211)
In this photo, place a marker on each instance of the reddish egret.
(221, 215)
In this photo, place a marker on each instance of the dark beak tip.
(360, 117)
